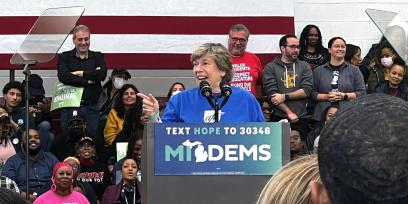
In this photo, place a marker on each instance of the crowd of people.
(305, 85)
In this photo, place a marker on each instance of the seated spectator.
(297, 141)
(379, 69)
(134, 151)
(266, 106)
(7, 183)
(41, 164)
(175, 88)
(127, 191)
(92, 171)
(85, 188)
(8, 196)
(78, 187)
(132, 127)
(13, 93)
(313, 136)
(64, 146)
(125, 100)
(362, 153)
(395, 86)
(368, 59)
(39, 106)
(61, 190)
(9, 137)
(110, 89)
(353, 55)
(290, 185)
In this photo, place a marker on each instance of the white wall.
(345, 18)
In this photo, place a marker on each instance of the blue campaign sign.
(218, 149)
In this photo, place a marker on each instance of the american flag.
(154, 34)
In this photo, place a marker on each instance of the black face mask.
(76, 133)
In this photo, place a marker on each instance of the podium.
(211, 163)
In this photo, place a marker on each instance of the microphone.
(205, 89)
(226, 91)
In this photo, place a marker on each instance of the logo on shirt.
(91, 177)
(209, 116)
(288, 79)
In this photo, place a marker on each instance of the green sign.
(121, 149)
(66, 96)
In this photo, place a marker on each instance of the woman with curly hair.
(311, 47)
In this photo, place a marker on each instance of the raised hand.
(150, 106)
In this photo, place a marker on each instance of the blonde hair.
(220, 55)
(73, 159)
(291, 183)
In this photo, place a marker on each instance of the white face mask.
(118, 83)
(175, 92)
(387, 61)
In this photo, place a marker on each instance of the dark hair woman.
(311, 47)
(353, 54)
(132, 129)
(126, 99)
(337, 81)
(380, 66)
(127, 191)
(134, 151)
(175, 88)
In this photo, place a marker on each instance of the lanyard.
(134, 196)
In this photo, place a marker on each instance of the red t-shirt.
(247, 72)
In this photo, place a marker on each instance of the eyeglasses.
(74, 166)
(339, 46)
(293, 46)
(242, 40)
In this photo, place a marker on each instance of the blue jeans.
(44, 129)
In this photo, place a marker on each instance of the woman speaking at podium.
(212, 70)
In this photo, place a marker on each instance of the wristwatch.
(345, 97)
(286, 97)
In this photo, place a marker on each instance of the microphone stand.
(206, 91)
(216, 110)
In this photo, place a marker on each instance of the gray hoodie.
(279, 77)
